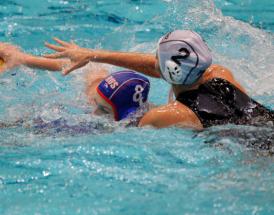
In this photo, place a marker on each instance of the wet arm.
(173, 114)
(143, 63)
(45, 63)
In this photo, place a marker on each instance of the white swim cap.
(183, 57)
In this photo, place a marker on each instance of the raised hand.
(78, 56)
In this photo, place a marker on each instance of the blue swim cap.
(125, 91)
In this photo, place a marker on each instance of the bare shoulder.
(171, 114)
(219, 71)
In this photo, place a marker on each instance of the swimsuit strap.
(218, 102)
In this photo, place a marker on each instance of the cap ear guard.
(173, 72)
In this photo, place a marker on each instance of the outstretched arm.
(45, 63)
(143, 63)
(14, 57)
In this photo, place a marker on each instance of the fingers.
(61, 42)
(56, 55)
(54, 47)
(74, 67)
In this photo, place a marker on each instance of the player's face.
(101, 106)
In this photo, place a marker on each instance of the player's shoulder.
(217, 71)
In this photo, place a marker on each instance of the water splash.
(126, 171)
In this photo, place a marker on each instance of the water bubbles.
(46, 173)
(20, 181)
(64, 2)
(2, 182)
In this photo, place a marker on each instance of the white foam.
(246, 50)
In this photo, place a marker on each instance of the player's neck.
(177, 89)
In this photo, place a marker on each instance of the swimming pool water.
(108, 169)
(257, 13)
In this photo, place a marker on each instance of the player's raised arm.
(143, 63)
(11, 57)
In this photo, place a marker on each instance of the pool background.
(130, 171)
(258, 13)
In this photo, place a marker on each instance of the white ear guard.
(173, 72)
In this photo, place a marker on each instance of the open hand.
(78, 56)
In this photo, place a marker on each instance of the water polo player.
(121, 94)
(206, 94)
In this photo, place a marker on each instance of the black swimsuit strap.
(218, 102)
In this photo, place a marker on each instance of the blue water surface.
(257, 13)
(74, 163)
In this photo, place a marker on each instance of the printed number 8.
(137, 96)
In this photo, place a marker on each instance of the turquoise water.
(258, 13)
(87, 165)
